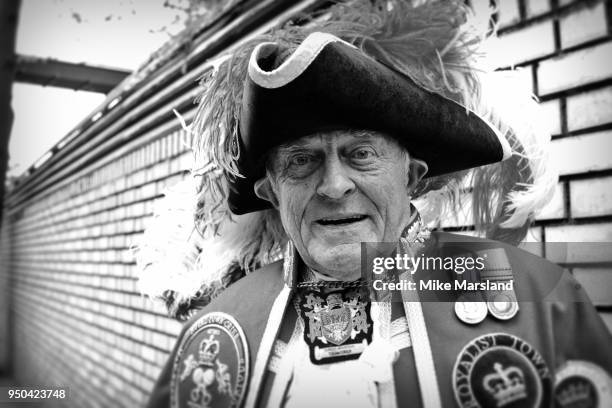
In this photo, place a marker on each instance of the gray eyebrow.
(301, 142)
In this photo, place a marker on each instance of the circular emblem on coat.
(211, 366)
(582, 384)
(501, 370)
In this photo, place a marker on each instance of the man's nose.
(335, 182)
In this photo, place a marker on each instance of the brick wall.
(76, 317)
(565, 47)
(571, 73)
(563, 51)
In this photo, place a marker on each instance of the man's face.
(339, 189)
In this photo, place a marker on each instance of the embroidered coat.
(556, 351)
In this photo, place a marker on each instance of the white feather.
(508, 101)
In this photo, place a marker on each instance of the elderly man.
(337, 139)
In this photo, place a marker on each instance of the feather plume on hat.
(435, 43)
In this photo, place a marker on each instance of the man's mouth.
(341, 220)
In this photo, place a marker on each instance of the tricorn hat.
(328, 84)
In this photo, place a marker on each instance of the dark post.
(8, 32)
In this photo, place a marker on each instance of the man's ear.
(417, 170)
(265, 191)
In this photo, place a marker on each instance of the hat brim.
(327, 84)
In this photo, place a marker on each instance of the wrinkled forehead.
(338, 138)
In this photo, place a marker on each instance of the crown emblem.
(334, 300)
(505, 385)
(576, 394)
(209, 349)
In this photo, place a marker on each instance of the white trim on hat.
(506, 149)
(293, 66)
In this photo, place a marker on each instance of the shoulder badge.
(582, 384)
(501, 370)
(211, 366)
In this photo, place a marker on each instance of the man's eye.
(300, 160)
(363, 154)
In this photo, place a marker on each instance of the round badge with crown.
(582, 384)
(501, 370)
(211, 366)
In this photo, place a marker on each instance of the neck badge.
(337, 325)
